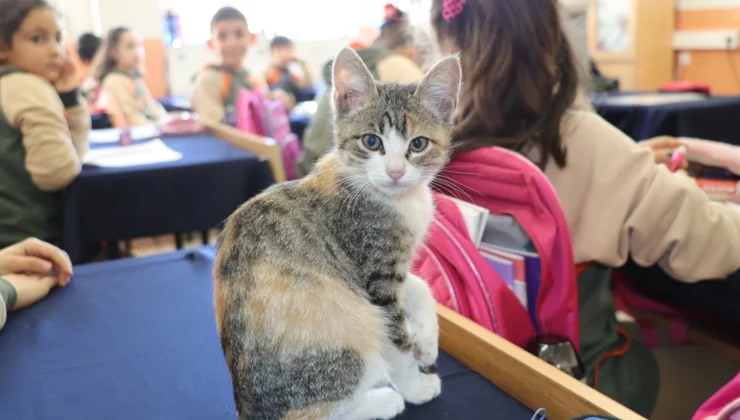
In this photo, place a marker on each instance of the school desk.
(197, 192)
(178, 103)
(136, 339)
(298, 120)
(712, 118)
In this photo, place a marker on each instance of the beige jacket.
(124, 107)
(54, 146)
(207, 97)
(618, 202)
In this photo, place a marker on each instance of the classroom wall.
(720, 69)
(171, 70)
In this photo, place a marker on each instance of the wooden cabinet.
(631, 40)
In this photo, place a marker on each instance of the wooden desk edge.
(530, 380)
(251, 143)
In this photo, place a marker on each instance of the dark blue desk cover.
(136, 339)
(197, 192)
(100, 121)
(714, 118)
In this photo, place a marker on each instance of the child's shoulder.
(24, 80)
(116, 77)
(24, 87)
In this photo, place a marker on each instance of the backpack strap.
(226, 85)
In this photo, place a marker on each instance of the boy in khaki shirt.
(217, 85)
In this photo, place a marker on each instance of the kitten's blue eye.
(419, 144)
(372, 142)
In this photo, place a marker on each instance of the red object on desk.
(186, 124)
(685, 86)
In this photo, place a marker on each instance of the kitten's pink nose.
(395, 175)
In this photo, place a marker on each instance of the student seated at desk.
(519, 90)
(87, 48)
(288, 73)
(43, 121)
(127, 99)
(217, 85)
(90, 50)
(28, 271)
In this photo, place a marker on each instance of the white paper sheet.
(154, 151)
(111, 135)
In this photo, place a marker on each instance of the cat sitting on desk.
(317, 313)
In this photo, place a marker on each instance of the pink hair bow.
(452, 8)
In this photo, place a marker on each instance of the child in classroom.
(89, 51)
(88, 45)
(217, 85)
(518, 93)
(288, 72)
(126, 98)
(44, 121)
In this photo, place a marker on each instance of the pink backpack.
(461, 279)
(724, 405)
(258, 115)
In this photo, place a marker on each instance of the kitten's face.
(393, 137)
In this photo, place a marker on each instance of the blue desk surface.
(712, 118)
(197, 192)
(136, 339)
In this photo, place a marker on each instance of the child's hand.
(663, 147)
(284, 97)
(67, 78)
(36, 257)
(30, 288)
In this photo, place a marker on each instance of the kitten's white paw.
(380, 403)
(426, 347)
(389, 404)
(426, 389)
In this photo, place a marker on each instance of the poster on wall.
(613, 19)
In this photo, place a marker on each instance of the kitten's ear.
(352, 83)
(440, 88)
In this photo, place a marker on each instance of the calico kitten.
(317, 313)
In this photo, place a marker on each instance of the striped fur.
(317, 314)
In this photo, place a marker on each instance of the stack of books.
(507, 249)
(720, 184)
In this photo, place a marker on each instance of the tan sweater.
(130, 104)
(54, 147)
(618, 202)
(207, 97)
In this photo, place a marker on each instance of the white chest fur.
(417, 209)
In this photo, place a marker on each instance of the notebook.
(499, 235)
(503, 267)
(532, 273)
(519, 280)
(475, 218)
